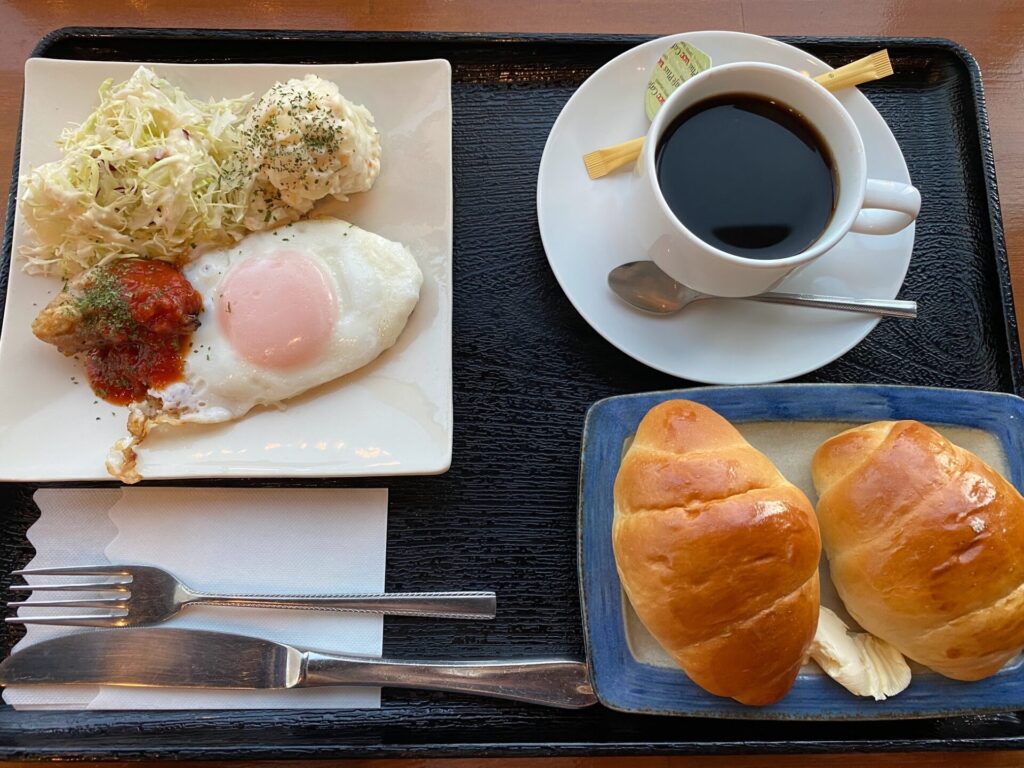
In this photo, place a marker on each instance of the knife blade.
(188, 658)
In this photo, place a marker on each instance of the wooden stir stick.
(603, 161)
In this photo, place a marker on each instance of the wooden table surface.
(992, 30)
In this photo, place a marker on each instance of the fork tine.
(119, 586)
(97, 620)
(75, 570)
(99, 602)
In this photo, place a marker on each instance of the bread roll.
(717, 552)
(926, 545)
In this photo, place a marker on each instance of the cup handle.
(889, 206)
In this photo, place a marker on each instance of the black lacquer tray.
(526, 368)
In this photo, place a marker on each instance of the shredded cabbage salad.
(147, 174)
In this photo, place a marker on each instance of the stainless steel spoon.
(645, 286)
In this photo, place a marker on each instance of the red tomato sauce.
(142, 317)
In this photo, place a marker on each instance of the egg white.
(376, 284)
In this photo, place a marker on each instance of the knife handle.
(441, 605)
(552, 682)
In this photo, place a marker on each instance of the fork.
(149, 595)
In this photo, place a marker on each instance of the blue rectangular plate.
(623, 683)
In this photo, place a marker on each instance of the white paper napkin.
(241, 540)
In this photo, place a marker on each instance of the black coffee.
(748, 176)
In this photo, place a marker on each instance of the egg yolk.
(277, 311)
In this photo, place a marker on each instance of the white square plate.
(393, 417)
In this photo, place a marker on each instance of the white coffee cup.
(868, 206)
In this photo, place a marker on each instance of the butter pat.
(861, 663)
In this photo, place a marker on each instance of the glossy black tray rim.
(150, 746)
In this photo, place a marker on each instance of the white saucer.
(586, 232)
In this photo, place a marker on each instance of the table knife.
(187, 658)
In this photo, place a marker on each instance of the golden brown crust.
(59, 324)
(926, 545)
(717, 552)
(717, 665)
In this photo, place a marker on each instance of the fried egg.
(283, 311)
